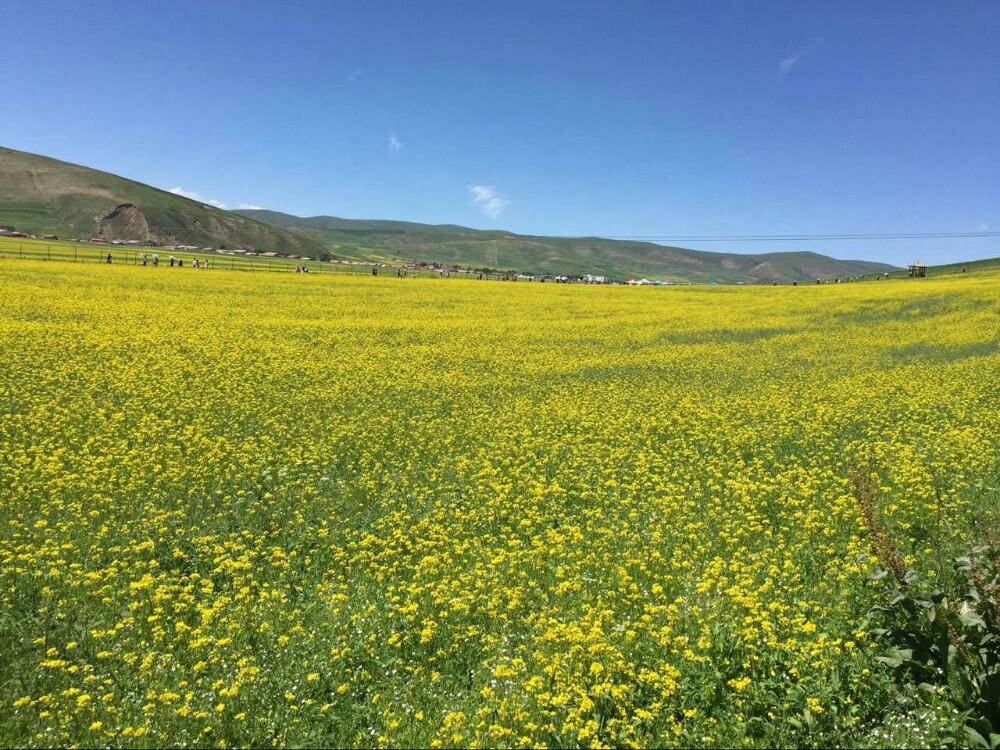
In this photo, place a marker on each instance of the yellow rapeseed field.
(251, 509)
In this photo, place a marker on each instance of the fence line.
(88, 253)
(131, 256)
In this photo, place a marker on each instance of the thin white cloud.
(395, 144)
(195, 197)
(488, 200)
(250, 207)
(355, 74)
(786, 65)
(185, 193)
(982, 227)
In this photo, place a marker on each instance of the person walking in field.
(194, 263)
(109, 258)
(172, 261)
(145, 259)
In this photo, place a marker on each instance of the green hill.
(39, 195)
(451, 244)
(969, 266)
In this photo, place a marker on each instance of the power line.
(656, 237)
(799, 237)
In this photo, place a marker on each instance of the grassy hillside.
(40, 195)
(449, 243)
(972, 266)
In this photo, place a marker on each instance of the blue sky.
(611, 119)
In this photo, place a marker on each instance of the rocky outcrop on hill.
(41, 196)
(125, 222)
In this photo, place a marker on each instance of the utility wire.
(800, 237)
(655, 237)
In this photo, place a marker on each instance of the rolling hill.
(448, 243)
(984, 265)
(40, 195)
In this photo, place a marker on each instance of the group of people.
(179, 262)
(195, 262)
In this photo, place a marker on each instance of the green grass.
(948, 269)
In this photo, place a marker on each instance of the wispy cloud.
(355, 74)
(488, 200)
(786, 65)
(195, 197)
(395, 144)
(982, 227)
(250, 207)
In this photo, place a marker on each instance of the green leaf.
(892, 661)
(977, 738)
(971, 618)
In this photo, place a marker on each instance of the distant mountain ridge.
(620, 259)
(41, 195)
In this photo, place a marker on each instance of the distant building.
(916, 270)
